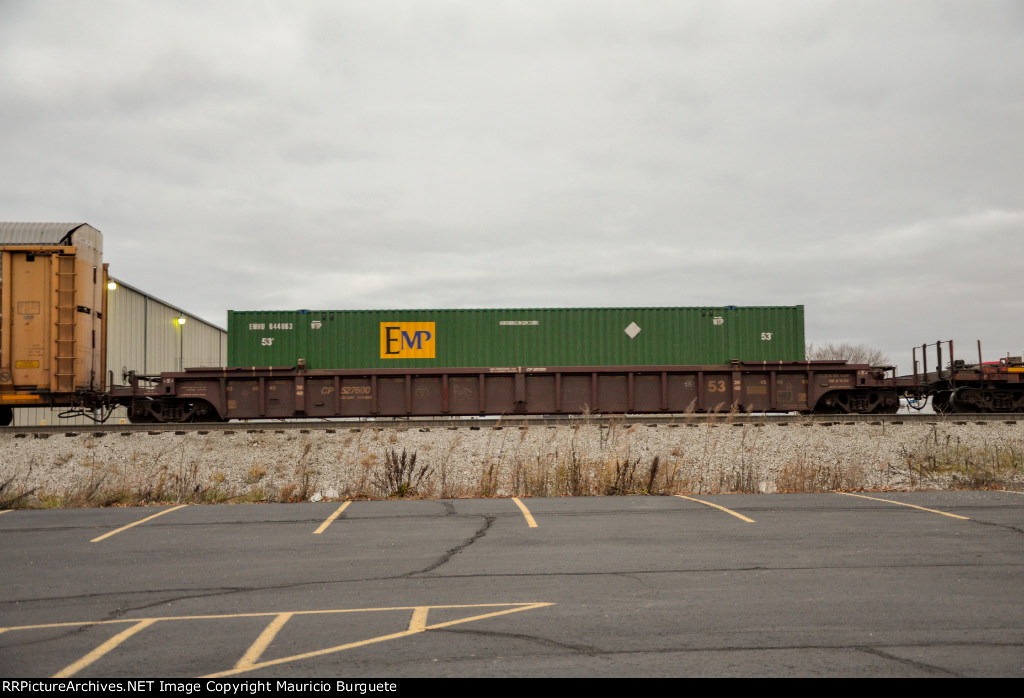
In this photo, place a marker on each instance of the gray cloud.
(863, 159)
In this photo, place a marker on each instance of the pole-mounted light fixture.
(180, 322)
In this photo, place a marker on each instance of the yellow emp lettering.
(407, 340)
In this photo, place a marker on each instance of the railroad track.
(676, 420)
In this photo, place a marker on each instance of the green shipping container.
(548, 337)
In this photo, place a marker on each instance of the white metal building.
(148, 335)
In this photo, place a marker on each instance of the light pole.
(180, 322)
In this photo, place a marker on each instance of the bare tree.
(852, 353)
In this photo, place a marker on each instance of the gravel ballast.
(587, 458)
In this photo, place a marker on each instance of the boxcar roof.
(39, 233)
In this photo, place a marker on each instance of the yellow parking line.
(418, 622)
(222, 616)
(416, 625)
(332, 517)
(526, 513)
(251, 660)
(124, 528)
(1010, 491)
(904, 504)
(110, 644)
(4, 511)
(727, 511)
(252, 655)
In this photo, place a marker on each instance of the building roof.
(175, 308)
(40, 233)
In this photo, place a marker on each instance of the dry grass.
(104, 487)
(306, 479)
(627, 477)
(163, 477)
(12, 495)
(943, 458)
(591, 456)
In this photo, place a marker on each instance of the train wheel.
(203, 411)
(139, 412)
(985, 400)
(940, 401)
(6, 416)
(888, 403)
(858, 402)
(172, 411)
(970, 400)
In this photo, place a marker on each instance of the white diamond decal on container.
(633, 330)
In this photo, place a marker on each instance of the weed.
(625, 477)
(573, 475)
(256, 494)
(808, 475)
(82, 494)
(606, 434)
(986, 466)
(256, 473)
(538, 483)
(445, 462)
(214, 496)
(653, 475)
(488, 484)
(308, 479)
(399, 477)
(367, 466)
(670, 485)
(10, 496)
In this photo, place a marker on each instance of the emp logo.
(407, 340)
(316, 324)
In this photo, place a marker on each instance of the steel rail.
(674, 420)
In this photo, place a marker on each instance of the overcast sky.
(864, 159)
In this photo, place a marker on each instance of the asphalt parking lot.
(863, 584)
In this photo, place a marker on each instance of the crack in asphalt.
(121, 612)
(223, 591)
(592, 651)
(1008, 527)
(449, 510)
(216, 591)
(910, 662)
(632, 576)
(876, 651)
(451, 552)
(587, 650)
(226, 591)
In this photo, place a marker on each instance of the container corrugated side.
(515, 337)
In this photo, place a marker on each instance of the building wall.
(143, 334)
